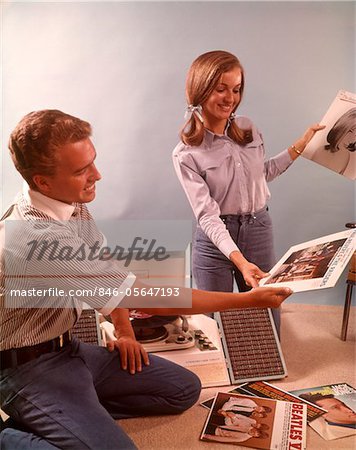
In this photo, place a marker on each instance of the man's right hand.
(269, 297)
(207, 301)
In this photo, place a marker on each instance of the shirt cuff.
(227, 246)
(284, 160)
(115, 300)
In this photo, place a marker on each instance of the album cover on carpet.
(339, 400)
(267, 390)
(256, 422)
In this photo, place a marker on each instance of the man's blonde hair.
(35, 142)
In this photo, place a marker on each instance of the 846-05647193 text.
(98, 291)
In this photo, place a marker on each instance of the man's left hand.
(131, 352)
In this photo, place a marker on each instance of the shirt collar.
(209, 137)
(54, 208)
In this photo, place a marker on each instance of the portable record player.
(190, 341)
(240, 346)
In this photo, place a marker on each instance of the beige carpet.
(314, 356)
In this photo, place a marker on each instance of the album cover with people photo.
(335, 146)
(314, 264)
(339, 400)
(256, 422)
(267, 390)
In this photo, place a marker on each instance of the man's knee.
(196, 389)
(191, 392)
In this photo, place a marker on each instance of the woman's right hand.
(251, 273)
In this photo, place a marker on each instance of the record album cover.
(256, 422)
(334, 147)
(266, 390)
(339, 400)
(315, 264)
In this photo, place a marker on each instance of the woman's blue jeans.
(253, 235)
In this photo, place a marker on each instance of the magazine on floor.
(256, 422)
(315, 264)
(267, 390)
(340, 402)
(334, 146)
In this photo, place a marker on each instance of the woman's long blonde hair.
(203, 76)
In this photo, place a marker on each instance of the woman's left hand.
(298, 147)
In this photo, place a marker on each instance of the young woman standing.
(221, 165)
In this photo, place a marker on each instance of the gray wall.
(122, 66)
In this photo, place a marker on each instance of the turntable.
(158, 333)
(190, 341)
(162, 333)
